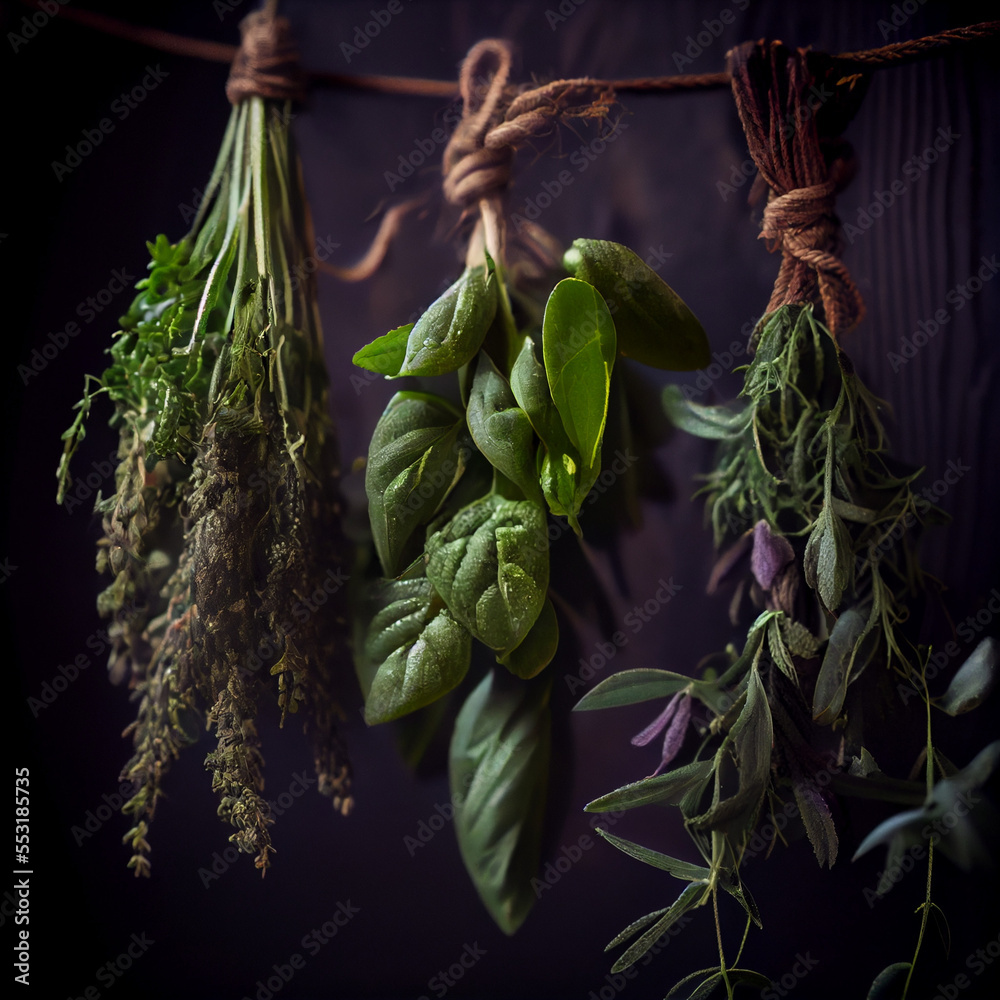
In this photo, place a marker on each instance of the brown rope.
(792, 112)
(267, 63)
(895, 54)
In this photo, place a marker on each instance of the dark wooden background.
(656, 187)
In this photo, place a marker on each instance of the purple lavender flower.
(678, 714)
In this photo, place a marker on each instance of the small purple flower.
(678, 714)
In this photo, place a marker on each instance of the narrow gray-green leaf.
(629, 687)
(715, 423)
(634, 928)
(384, 355)
(422, 651)
(691, 896)
(670, 788)
(654, 325)
(973, 682)
(578, 345)
(451, 331)
(501, 429)
(417, 454)
(679, 869)
(490, 563)
(847, 640)
(499, 762)
(827, 560)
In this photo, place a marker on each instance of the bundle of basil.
(802, 493)
(459, 494)
(223, 535)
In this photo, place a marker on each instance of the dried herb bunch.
(822, 532)
(223, 535)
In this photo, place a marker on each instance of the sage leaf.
(716, 423)
(842, 663)
(536, 649)
(629, 687)
(452, 330)
(973, 682)
(670, 788)
(417, 453)
(498, 770)
(578, 346)
(828, 561)
(422, 651)
(385, 355)
(654, 325)
(490, 563)
(502, 430)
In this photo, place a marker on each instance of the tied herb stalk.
(822, 533)
(459, 495)
(223, 536)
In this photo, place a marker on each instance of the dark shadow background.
(655, 188)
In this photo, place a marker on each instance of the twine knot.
(267, 64)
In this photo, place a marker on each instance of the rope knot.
(267, 64)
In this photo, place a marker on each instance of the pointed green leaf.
(827, 560)
(422, 651)
(841, 664)
(499, 762)
(654, 325)
(679, 869)
(634, 927)
(629, 687)
(670, 788)
(501, 429)
(691, 896)
(452, 330)
(384, 356)
(490, 563)
(741, 894)
(417, 453)
(578, 344)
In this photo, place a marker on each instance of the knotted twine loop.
(478, 159)
(792, 119)
(267, 64)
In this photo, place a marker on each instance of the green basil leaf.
(578, 346)
(490, 563)
(536, 649)
(422, 651)
(501, 429)
(385, 355)
(451, 331)
(498, 769)
(715, 423)
(629, 687)
(654, 325)
(417, 453)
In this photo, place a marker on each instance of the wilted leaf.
(847, 654)
(499, 762)
(654, 325)
(818, 821)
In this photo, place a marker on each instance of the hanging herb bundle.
(223, 535)
(460, 491)
(821, 529)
